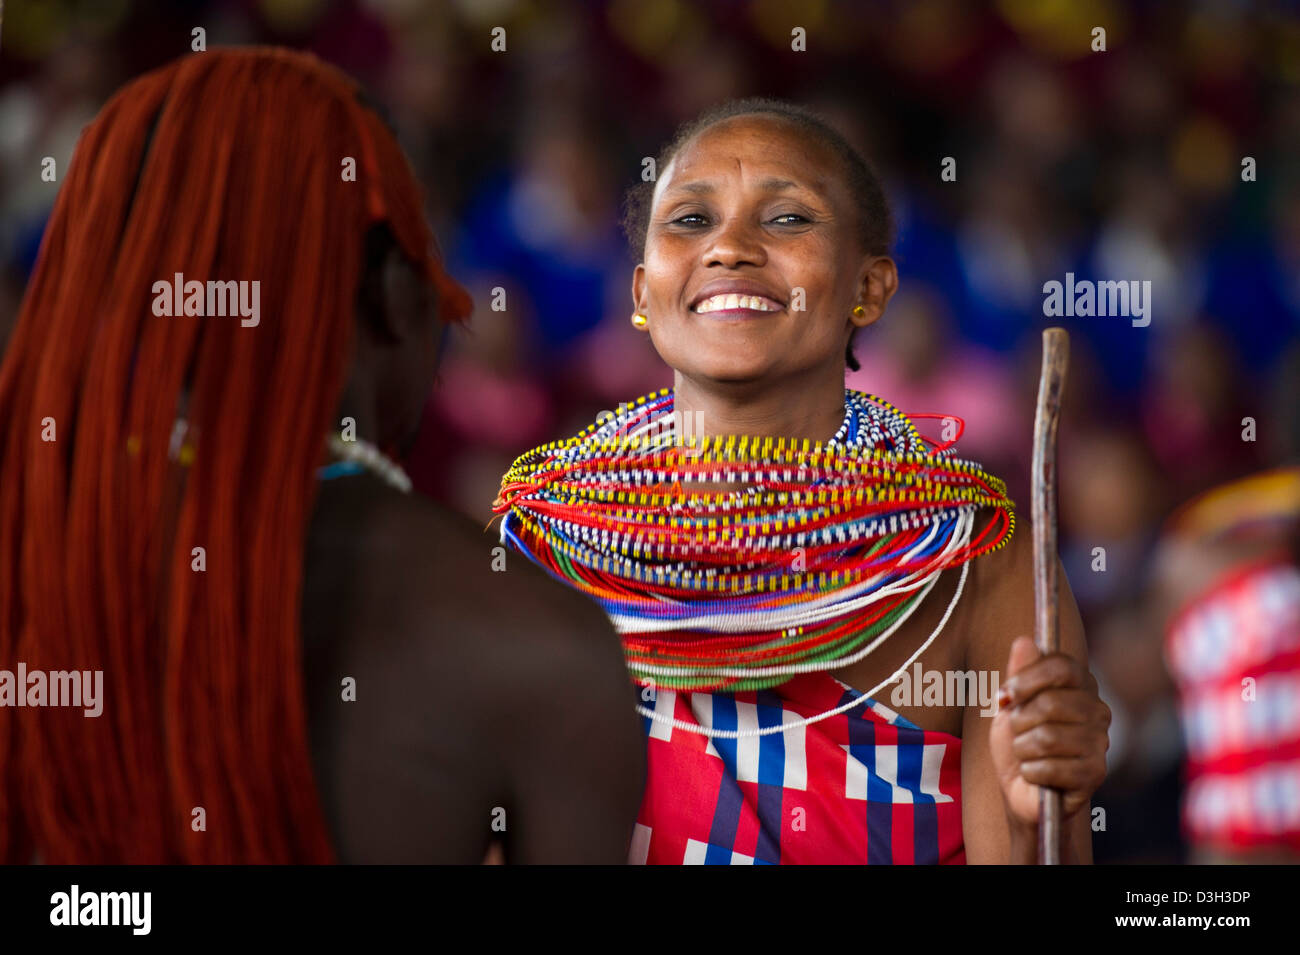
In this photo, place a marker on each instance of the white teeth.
(716, 303)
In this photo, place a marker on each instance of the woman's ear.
(878, 285)
(375, 306)
(395, 305)
(408, 299)
(638, 287)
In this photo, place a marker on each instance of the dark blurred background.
(1115, 165)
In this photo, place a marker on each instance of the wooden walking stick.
(1056, 358)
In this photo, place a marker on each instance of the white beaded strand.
(372, 459)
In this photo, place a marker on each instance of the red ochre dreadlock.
(225, 165)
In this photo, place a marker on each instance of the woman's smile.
(735, 301)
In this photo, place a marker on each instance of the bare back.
(487, 707)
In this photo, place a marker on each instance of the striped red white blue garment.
(863, 786)
(1235, 655)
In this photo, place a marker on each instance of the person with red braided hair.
(775, 550)
(300, 662)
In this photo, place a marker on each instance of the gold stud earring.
(639, 320)
(859, 311)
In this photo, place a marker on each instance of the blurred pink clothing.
(508, 411)
(975, 385)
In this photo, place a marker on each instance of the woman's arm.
(1052, 732)
(573, 748)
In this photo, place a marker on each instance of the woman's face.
(751, 208)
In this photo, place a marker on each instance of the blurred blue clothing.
(1254, 298)
(565, 285)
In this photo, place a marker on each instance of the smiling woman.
(806, 212)
(776, 569)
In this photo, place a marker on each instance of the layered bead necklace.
(822, 553)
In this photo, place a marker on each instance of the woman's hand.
(1050, 730)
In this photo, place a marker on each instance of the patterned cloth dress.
(863, 786)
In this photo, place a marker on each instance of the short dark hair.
(875, 221)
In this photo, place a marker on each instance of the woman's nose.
(736, 242)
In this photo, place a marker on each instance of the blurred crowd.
(1115, 165)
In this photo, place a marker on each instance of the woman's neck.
(813, 411)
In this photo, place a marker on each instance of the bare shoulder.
(470, 679)
(1002, 579)
(539, 672)
(1002, 591)
(454, 577)
(502, 621)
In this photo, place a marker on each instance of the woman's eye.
(790, 218)
(686, 219)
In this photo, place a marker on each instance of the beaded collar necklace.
(823, 553)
